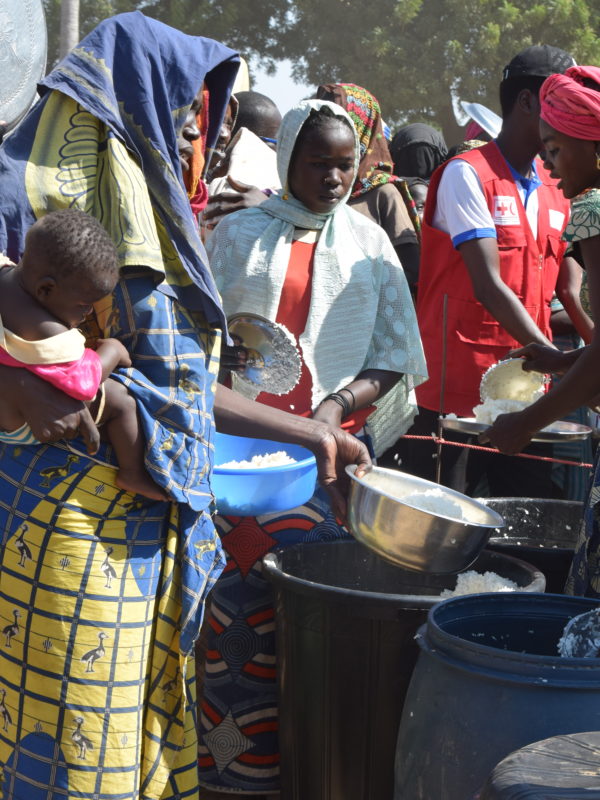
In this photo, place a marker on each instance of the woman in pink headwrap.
(570, 131)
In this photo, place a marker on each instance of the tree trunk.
(69, 26)
(453, 133)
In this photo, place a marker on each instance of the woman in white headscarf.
(331, 276)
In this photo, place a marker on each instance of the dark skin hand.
(241, 196)
(548, 360)
(579, 386)
(367, 388)
(332, 447)
(50, 413)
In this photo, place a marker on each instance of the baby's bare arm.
(112, 354)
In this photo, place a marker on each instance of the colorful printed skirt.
(238, 710)
(95, 699)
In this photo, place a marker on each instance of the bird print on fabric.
(107, 568)
(80, 740)
(54, 473)
(95, 654)
(22, 547)
(4, 713)
(10, 631)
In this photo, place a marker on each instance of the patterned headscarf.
(375, 166)
(138, 77)
(569, 106)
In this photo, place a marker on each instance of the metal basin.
(412, 537)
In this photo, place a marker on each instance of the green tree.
(416, 55)
(250, 26)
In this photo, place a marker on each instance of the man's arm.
(483, 264)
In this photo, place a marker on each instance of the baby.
(70, 263)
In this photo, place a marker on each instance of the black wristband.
(351, 393)
(340, 400)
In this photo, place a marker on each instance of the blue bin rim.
(542, 669)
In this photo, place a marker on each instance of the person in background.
(570, 132)
(417, 151)
(306, 260)
(259, 114)
(215, 156)
(418, 188)
(249, 163)
(490, 262)
(377, 192)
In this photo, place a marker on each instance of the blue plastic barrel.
(488, 681)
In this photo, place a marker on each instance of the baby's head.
(69, 263)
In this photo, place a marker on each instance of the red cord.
(442, 441)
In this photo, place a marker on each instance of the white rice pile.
(487, 411)
(436, 502)
(472, 582)
(277, 459)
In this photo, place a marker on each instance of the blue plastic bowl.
(251, 492)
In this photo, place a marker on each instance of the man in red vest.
(490, 258)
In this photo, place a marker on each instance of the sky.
(280, 87)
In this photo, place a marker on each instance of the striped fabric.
(22, 436)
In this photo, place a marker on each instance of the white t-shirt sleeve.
(461, 209)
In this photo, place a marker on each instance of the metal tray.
(22, 57)
(561, 431)
(274, 363)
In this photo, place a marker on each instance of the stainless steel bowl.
(412, 537)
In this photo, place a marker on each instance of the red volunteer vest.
(474, 339)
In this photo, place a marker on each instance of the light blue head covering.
(283, 204)
(356, 280)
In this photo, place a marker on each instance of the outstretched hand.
(508, 433)
(541, 358)
(223, 203)
(337, 449)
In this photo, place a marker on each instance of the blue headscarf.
(138, 77)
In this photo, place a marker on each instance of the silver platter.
(561, 431)
(273, 361)
(23, 49)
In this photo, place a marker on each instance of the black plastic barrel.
(541, 532)
(346, 621)
(489, 681)
(562, 766)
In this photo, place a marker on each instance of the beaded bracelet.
(340, 400)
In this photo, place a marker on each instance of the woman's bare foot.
(139, 482)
